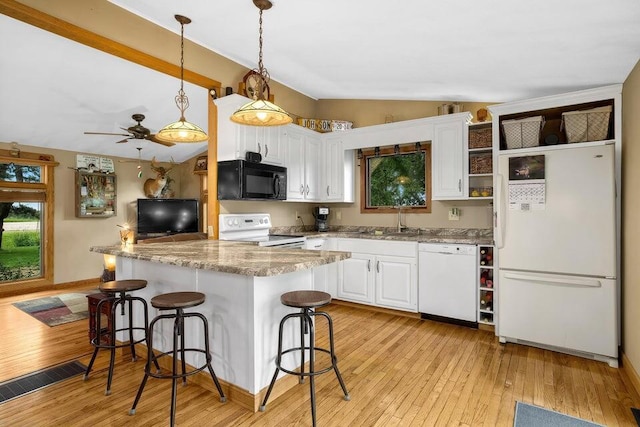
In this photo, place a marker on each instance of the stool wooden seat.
(122, 285)
(305, 299)
(116, 291)
(177, 301)
(307, 302)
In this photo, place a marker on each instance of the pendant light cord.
(182, 101)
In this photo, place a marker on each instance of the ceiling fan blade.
(107, 133)
(121, 141)
(152, 138)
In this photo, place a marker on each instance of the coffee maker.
(321, 214)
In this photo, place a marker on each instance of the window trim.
(48, 164)
(406, 148)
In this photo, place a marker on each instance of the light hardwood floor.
(399, 371)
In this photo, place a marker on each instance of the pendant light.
(261, 112)
(182, 130)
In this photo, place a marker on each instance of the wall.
(630, 208)
(74, 236)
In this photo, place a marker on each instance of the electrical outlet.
(210, 230)
(454, 214)
(338, 214)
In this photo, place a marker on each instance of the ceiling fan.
(135, 132)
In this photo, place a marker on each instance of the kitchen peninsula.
(242, 283)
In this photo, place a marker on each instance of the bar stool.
(117, 296)
(307, 302)
(177, 301)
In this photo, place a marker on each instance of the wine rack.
(486, 290)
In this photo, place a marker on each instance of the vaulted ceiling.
(53, 89)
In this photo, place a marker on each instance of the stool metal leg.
(303, 331)
(132, 345)
(334, 359)
(178, 348)
(180, 319)
(312, 386)
(174, 371)
(223, 398)
(147, 367)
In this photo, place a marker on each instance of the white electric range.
(255, 228)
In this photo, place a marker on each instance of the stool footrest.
(179, 375)
(307, 374)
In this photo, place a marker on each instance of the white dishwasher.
(447, 283)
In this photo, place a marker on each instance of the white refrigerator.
(556, 239)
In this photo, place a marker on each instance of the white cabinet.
(235, 140)
(448, 151)
(325, 277)
(263, 140)
(303, 161)
(333, 172)
(396, 279)
(379, 273)
(357, 279)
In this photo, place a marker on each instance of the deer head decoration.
(153, 187)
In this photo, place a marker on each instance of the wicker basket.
(481, 163)
(480, 138)
(587, 125)
(523, 133)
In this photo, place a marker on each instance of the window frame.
(386, 151)
(46, 187)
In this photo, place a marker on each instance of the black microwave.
(242, 180)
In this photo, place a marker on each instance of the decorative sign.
(106, 165)
(527, 185)
(94, 163)
(88, 162)
(320, 125)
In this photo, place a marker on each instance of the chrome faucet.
(400, 225)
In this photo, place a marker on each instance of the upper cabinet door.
(313, 162)
(294, 142)
(448, 154)
(332, 185)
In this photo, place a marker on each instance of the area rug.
(59, 309)
(535, 416)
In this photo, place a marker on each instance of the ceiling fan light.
(181, 131)
(261, 113)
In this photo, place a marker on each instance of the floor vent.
(37, 380)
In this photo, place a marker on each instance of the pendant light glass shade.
(182, 131)
(261, 112)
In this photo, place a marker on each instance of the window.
(400, 177)
(26, 219)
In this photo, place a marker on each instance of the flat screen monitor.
(167, 216)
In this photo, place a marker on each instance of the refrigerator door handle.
(576, 283)
(500, 214)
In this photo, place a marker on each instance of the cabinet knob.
(327, 190)
(259, 148)
(266, 150)
(368, 265)
(459, 185)
(302, 189)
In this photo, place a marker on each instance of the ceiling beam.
(65, 29)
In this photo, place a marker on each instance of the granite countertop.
(244, 258)
(470, 236)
